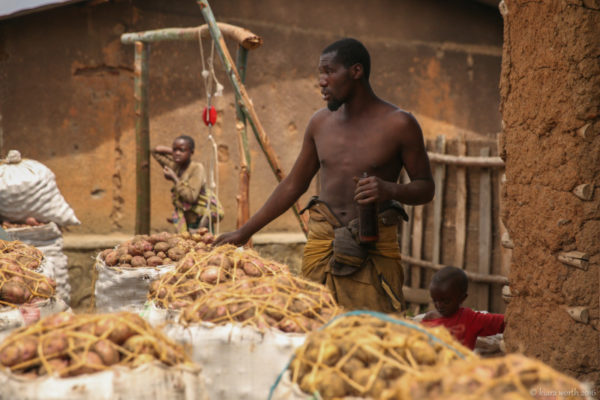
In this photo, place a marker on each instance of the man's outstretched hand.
(235, 238)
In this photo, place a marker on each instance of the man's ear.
(357, 71)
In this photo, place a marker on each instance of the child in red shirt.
(448, 289)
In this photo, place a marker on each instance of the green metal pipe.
(142, 138)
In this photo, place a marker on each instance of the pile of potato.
(20, 254)
(200, 270)
(18, 283)
(28, 223)
(360, 355)
(157, 249)
(513, 376)
(285, 302)
(69, 345)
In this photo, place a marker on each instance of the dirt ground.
(550, 143)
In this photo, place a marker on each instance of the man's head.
(183, 148)
(342, 65)
(448, 289)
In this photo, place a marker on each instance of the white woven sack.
(239, 362)
(146, 382)
(49, 240)
(27, 314)
(28, 189)
(119, 289)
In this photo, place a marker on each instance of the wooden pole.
(485, 162)
(243, 197)
(142, 139)
(438, 201)
(461, 207)
(243, 37)
(485, 233)
(473, 276)
(245, 102)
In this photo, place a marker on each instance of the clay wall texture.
(550, 88)
(67, 88)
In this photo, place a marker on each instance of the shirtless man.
(357, 133)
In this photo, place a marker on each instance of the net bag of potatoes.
(198, 272)
(48, 239)
(513, 376)
(123, 274)
(359, 353)
(245, 331)
(96, 356)
(25, 295)
(25, 256)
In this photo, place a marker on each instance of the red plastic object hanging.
(209, 115)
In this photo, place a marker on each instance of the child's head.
(448, 289)
(183, 148)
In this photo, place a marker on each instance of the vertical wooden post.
(142, 138)
(461, 207)
(245, 102)
(406, 232)
(485, 232)
(243, 197)
(438, 201)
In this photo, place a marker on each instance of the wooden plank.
(416, 246)
(406, 231)
(416, 296)
(460, 221)
(438, 200)
(472, 276)
(485, 233)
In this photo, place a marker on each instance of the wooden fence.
(460, 227)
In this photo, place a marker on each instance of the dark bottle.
(368, 229)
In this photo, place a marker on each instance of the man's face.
(334, 80)
(446, 297)
(181, 151)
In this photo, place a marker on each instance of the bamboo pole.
(246, 103)
(243, 197)
(142, 139)
(243, 37)
(438, 201)
(461, 207)
(473, 276)
(466, 161)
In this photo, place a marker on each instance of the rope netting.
(69, 345)
(285, 302)
(157, 249)
(513, 376)
(18, 283)
(200, 270)
(26, 256)
(361, 353)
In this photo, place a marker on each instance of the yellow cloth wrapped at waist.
(319, 245)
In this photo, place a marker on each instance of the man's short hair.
(188, 139)
(350, 51)
(453, 276)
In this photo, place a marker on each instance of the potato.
(220, 260)
(44, 289)
(423, 353)
(125, 259)
(107, 352)
(142, 359)
(112, 258)
(176, 253)
(148, 254)
(56, 366)
(10, 355)
(54, 343)
(161, 247)
(161, 254)
(90, 362)
(154, 261)
(251, 269)
(28, 347)
(212, 275)
(14, 292)
(114, 329)
(138, 261)
(167, 261)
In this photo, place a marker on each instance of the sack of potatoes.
(123, 274)
(200, 270)
(92, 356)
(359, 355)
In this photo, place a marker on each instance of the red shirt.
(466, 324)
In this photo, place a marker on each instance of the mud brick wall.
(550, 86)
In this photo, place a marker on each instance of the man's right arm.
(285, 194)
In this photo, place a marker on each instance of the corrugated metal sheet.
(15, 8)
